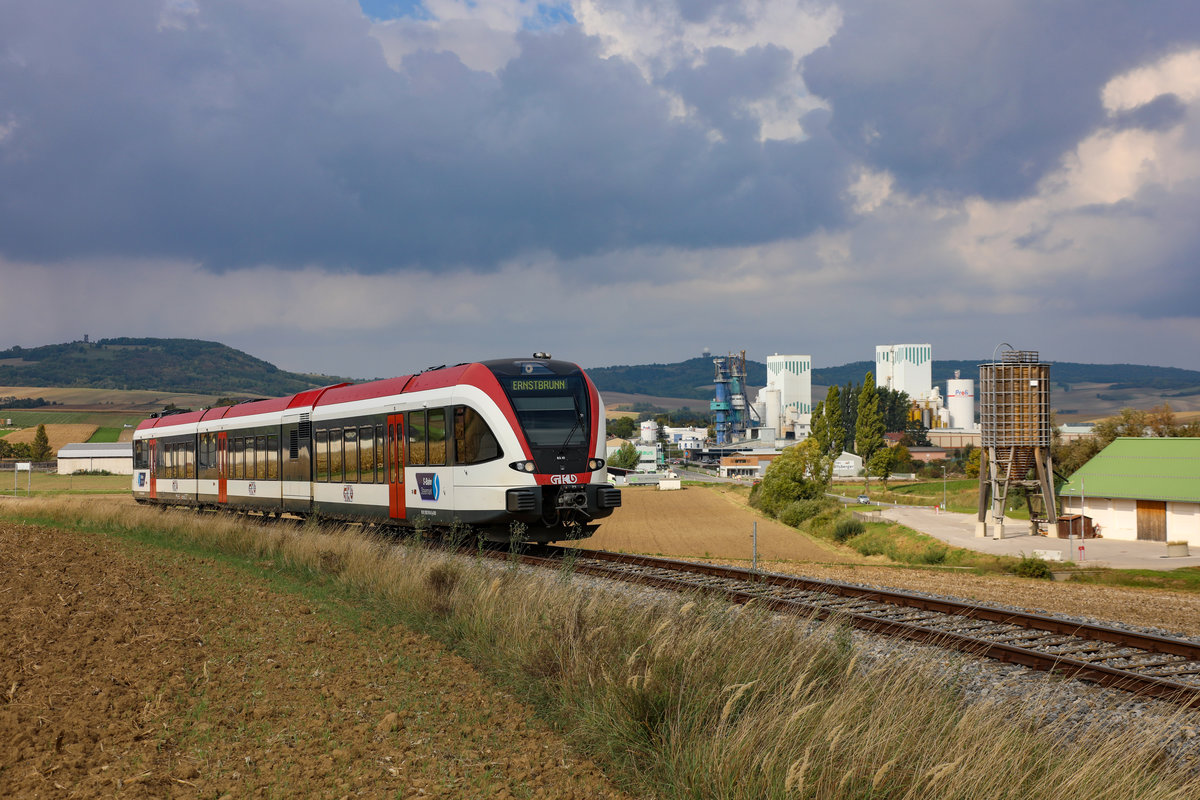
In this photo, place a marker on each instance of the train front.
(561, 415)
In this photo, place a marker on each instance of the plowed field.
(134, 672)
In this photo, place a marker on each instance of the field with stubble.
(704, 522)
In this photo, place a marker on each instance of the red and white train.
(485, 444)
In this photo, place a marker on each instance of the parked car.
(864, 500)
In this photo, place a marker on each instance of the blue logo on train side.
(430, 486)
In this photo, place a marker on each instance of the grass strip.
(685, 698)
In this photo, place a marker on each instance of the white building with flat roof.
(785, 403)
(114, 457)
(905, 368)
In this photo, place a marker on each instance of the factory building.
(905, 368)
(784, 405)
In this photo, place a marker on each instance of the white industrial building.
(847, 465)
(784, 405)
(115, 457)
(686, 438)
(905, 368)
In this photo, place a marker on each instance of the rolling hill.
(167, 365)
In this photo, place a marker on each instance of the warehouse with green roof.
(1146, 489)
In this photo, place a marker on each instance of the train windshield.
(552, 409)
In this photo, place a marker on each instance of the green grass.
(961, 494)
(43, 484)
(106, 435)
(1184, 579)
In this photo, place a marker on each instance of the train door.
(153, 469)
(222, 466)
(395, 466)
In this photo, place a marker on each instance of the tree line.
(38, 450)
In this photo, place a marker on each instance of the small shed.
(114, 457)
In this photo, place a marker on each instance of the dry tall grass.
(688, 698)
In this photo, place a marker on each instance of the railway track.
(1139, 663)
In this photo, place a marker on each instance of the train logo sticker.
(141, 479)
(430, 486)
(251, 488)
(348, 494)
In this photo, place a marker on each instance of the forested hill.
(169, 365)
(694, 378)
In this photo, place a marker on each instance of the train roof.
(437, 378)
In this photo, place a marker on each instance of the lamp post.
(943, 487)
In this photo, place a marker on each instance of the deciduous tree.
(869, 426)
(625, 458)
(801, 472)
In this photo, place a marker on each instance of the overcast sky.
(367, 189)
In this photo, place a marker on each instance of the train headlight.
(595, 464)
(522, 466)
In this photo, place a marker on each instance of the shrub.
(799, 511)
(1030, 567)
(847, 529)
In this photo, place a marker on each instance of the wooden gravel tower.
(1015, 432)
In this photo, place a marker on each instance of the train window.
(260, 458)
(189, 454)
(437, 436)
(273, 457)
(248, 460)
(350, 472)
(366, 454)
(321, 471)
(210, 458)
(239, 458)
(416, 438)
(474, 441)
(335, 455)
(380, 452)
(139, 455)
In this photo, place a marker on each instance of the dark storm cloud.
(982, 97)
(1160, 114)
(252, 132)
(720, 86)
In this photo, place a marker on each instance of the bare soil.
(135, 672)
(704, 522)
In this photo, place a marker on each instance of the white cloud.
(658, 38)
(1177, 74)
(653, 36)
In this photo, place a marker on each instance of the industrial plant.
(747, 433)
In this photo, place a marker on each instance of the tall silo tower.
(1015, 432)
